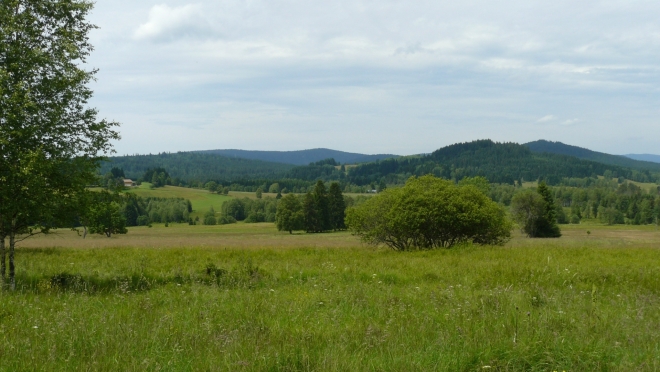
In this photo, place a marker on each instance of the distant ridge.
(644, 157)
(550, 147)
(300, 157)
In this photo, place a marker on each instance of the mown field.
(201, 200)
(246, 297)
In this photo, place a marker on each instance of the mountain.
(300, 157)
(188, 166)
(542, 146)
(498, 162)
(644, 157)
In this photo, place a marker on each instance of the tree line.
(322, 209)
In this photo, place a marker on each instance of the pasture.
(246, 297)
(201, 200)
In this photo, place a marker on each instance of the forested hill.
(499, 162)
(301, 157)
(197, 166)
(644, 157)
(541, 146)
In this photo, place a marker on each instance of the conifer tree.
(320, 195)
(546, 226)
(337, 207)
(312, 223)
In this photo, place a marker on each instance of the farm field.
(201, 200)
(246, 297)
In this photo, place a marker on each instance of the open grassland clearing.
(201, 199)
(323, 302)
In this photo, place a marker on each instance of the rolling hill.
(542, 146)
(300, 157)
(197, 166)
(499, 162)
(644, 157)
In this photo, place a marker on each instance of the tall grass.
(548, 305)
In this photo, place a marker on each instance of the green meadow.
(201, 200)
(246, 297)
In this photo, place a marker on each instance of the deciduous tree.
(50, 141)
(289, 216)
(429, 213)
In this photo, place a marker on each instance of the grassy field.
(201, 200)
(246, 297)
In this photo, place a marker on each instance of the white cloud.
(393, 68)
(546, 119)
(570, 122)
(167, 22)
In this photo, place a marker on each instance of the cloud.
(546, 119)
(392, 68)
(570, 122)
(167, 23)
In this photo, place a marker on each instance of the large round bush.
(429, 213)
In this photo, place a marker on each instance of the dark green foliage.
(226, 220)
(322, 206)
(289, 216)
(105, 216)
(117, 172)
(429, 213)
(315, 171)
(311, 215)
(196, 166)
(328, 161)
(336, 207)
(300, 157)
(248, 210)
(158, 177)
(498, 162)
(234, 208)
(212, 186)
(542, 146)
(209, 217)
(547, 225)
(535, 212)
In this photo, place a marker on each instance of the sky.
(396, 77)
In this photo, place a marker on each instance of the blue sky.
(400, 77)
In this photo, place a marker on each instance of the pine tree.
(312, 223)
(320, 195)
(337, 207)
(546, 225)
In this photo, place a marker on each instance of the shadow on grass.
(244, 275)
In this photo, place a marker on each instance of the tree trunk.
(84, 232)
(3, 262)
(12, 271)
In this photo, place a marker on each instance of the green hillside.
(301, 157)
(542, 146)
(499, 162)
(196, 166)
(644, 157)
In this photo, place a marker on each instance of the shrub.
(225, 220)
(429, 213)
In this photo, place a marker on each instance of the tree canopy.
(535, 212)
(50, 141)
(428, 213)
